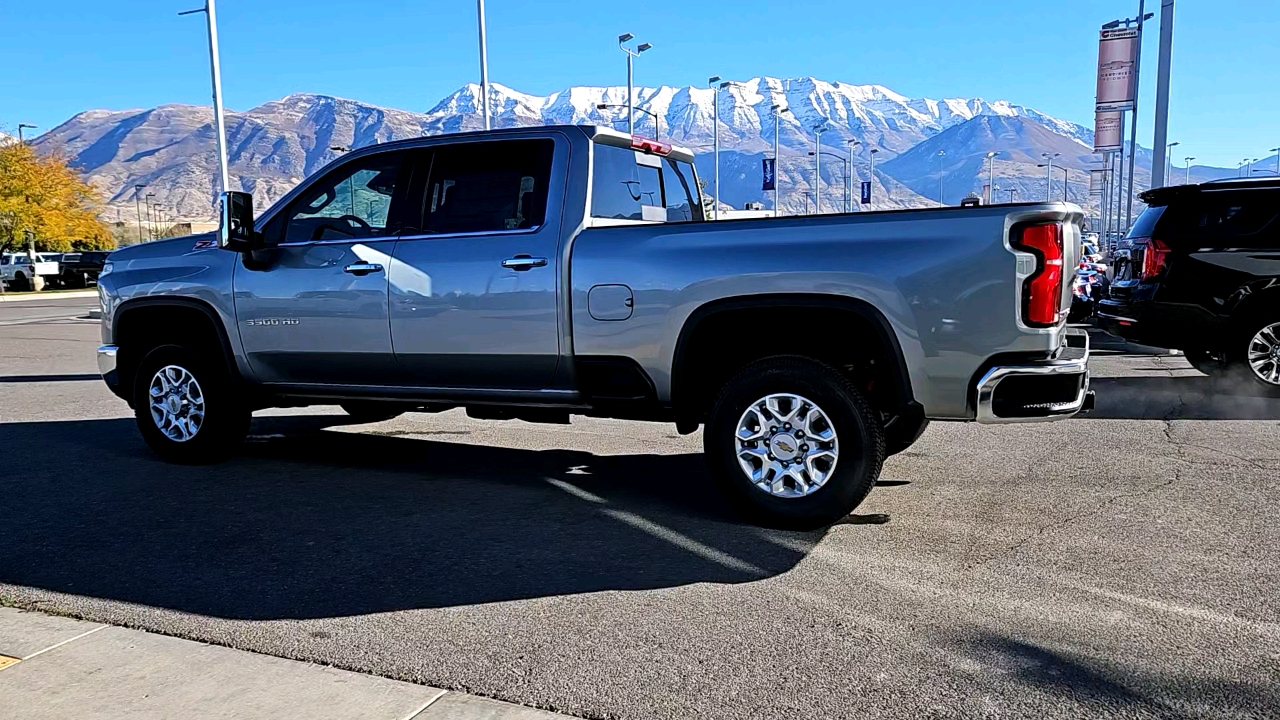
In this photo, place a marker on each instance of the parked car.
(80, 269)
(1202, 275)
(538, 273)
(18, 272)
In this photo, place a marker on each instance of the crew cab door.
(473, 293)
(312, 308)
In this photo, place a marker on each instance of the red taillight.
(1042, 294)
(1154, 258)
(650, 146)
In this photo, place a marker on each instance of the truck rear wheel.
(793, 444)
(185, 407)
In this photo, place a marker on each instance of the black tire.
(1237, 368)
(226, 419)
(858, 431)
(20, 283)
(371, 412)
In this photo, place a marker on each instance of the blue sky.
(58, 58)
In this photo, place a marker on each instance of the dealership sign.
(1107, 130)
(1117, 62)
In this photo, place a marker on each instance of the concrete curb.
(23, 297)
(57, 667)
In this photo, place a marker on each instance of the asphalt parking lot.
(1121, 564)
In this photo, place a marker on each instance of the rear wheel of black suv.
(793, 444)
(186, 407)
(1254, 355)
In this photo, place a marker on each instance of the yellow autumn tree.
(42, 197)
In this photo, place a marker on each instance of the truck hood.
(170, 247)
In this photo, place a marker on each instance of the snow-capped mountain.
(170, 149)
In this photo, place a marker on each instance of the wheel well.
(142, 328)
(720, 340)
(1255, 303)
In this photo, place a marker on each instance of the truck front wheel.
(792, 443)
(186, 408)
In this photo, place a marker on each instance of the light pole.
(1188, 160)
(1013, 192)
(941, 154)
(843, 162)
(137, 204)
(991, 176)
(484, 63)
(817, 167)
(1065, 178)
(713, 83)
(631, 90)
(777, 161)
(1048, 175)
(1160, 166)
(1168, 160)
(850, 174)
(657, 125)
(215, 71)
(151, 227)
(871, 205)
(20, 127)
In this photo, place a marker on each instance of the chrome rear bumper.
(1040, 391)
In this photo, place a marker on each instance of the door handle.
(361, 269)
(524, 262)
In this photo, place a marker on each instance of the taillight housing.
(1154, 258)
(1042, 291)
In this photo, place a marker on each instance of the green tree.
(44, 198)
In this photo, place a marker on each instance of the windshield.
(1146, 223)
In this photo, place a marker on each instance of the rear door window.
(488, 187)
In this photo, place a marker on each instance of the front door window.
(354, 202)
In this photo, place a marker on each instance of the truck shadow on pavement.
(309, 523)
(1114, 689)
(1178, 398)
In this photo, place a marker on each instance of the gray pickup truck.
(539, 273)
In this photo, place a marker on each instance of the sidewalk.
(55, 667)
(9, 297)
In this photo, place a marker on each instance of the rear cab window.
(632, 185)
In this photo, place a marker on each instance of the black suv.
(78, 269)
(1203, 276)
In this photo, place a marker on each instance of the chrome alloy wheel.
(1264, 354)
(177, 403)
(787, 445)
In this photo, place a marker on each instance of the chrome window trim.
(478, 233)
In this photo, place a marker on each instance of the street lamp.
(1048, 175)
(777, 161)
(850, 172)
(941, 154)
(1065, 178)
(137, 204)
(1168, 159)
(484, 62)
(843, 161)
(657, 125)
(215, 73)
(817, 167)
(631, 56)
(713, 83)
(1188, 160)
(21, 126)
(151, 228)
(991, 176)
(871, 205)
(1013, 192)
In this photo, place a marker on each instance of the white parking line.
(64, 642)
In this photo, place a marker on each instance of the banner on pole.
(1107, 130)
(1117, 57)
(1096, 180)
(770, 174)
(866, 192)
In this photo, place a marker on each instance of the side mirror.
(235, 232)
